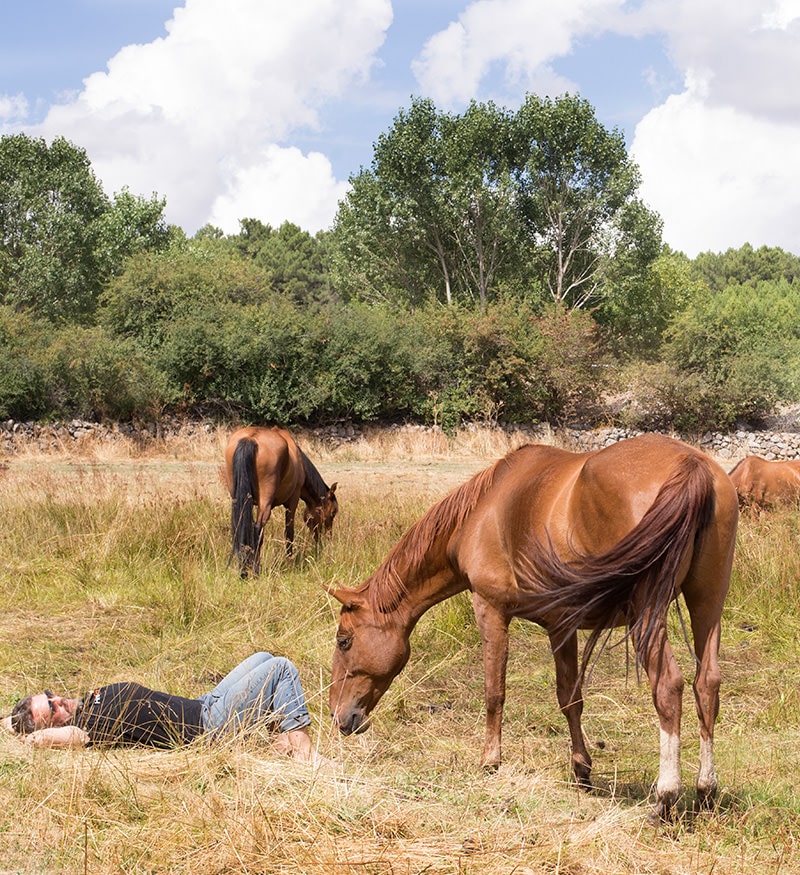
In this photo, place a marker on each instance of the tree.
(50, 202)
(745, 265)
(433, 217)
(60, 236)
(131, 225)
(460, 208)
(577, 191)
(639, 305)
(295, 262)
(479, 198)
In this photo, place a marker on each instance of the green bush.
(365, 362)
(571, 367)
(23, 375)
(93, 375)
(741, 348)
(267, 369)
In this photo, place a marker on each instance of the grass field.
(114, 566)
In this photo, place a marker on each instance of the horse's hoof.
(662, 813)
(706, 800)
(491, 768)
(582, 769)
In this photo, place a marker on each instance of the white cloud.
(268, 189)
(718, 177)
(783, 14)
(194, 114)
(13, 109)
(522, 36)
(719, 159)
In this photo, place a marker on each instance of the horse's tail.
(243, 528)
(635, 581)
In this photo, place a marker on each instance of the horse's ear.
(332, 489)
(348, 597)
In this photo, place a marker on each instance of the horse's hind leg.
(259, 539)
(706, 633)
(264, 513)
(666, 684)
(570, 700)
(291, 509)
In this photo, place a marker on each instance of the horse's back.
(595, 497)
(619, 484)
(763, 483)
(582, 503)
(278, 460)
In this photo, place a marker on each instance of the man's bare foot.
(296, 743)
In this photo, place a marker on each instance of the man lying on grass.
(264, 690)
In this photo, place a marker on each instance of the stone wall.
(55, 436)
(734, 445)
(68, 435)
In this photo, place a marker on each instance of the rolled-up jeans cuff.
(291, 723)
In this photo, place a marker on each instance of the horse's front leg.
(493, 626)
(570, 701)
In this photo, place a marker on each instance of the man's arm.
(57, 736)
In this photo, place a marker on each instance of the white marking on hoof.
(669, 773)
(707, 776)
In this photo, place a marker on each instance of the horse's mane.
(387, 587)
(737, 465)
(314, 482)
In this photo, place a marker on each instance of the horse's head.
(371, 650)
(319, 517)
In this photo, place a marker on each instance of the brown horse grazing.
(762, 485)
(570, 541)
(264, 468)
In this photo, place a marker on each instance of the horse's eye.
(343, 642)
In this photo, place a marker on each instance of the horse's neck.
(411, 585)
(417, 573)
(433, 590)
(313, 489)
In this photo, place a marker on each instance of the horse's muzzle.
(351, 722)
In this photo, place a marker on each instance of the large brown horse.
(570, 541)
(762, 485)
(264, 468)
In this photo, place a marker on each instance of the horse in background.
(569, 541)
(264, 469)
(763, 485)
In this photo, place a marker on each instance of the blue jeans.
(264, 689)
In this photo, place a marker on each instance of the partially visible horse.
(265, 468)
(570, 541)
(761, 484)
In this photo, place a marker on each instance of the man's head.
(41, 711)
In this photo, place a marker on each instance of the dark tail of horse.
(244, 532)
(635, 581)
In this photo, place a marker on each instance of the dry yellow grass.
(113, 565)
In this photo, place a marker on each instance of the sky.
(233, 109)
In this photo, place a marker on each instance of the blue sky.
(258, 108)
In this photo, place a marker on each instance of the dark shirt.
(130, 714)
